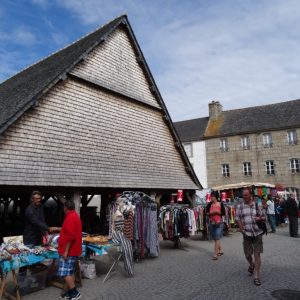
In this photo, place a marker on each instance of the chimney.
(215, 110)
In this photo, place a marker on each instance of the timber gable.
(83, 129)
(116, 70)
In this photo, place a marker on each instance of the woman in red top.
(215, 211)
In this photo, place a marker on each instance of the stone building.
(256, 144)
(88, 119)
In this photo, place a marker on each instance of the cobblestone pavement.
(190, 274)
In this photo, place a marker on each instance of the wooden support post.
(2, 284)
(15, 281)
(153, 195)
(157, 198)
(76, 198)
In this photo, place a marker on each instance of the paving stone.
(190, 274)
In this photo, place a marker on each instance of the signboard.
(179, 195)
(223, 196)
(207, 197)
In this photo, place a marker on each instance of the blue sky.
(240, 52)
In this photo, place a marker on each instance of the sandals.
(214, 258)
(220, 253)
(256, 281)
(251, 270)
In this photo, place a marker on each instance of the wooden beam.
(89, 199)
(76, 198)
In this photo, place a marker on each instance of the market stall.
(231, 195)
(14, 255)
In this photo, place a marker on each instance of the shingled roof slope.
(191, 130)
(20, 92)
(270, 117)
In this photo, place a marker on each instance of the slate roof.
(20, 92)
(262, 118)
(191, 130)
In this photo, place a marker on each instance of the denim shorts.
(216, 231)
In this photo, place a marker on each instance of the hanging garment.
(128, 225)
(144, 231)
(152, 241)
(120, 239)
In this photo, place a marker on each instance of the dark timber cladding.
(90, 116)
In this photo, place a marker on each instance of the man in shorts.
(247, 214)
(70, 249)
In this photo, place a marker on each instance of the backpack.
(261, 224)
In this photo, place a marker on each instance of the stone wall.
(280, 152)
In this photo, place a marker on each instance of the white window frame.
(245, 142)
(188, 148)
(292, 137)
(267, 140)
(247, 168)
(224, 144)
(270, 167)
(295, 165)
(225, 170)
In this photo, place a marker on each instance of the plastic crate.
(33, 282)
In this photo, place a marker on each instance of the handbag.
(261, 224)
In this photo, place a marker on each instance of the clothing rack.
(201, 220)
(143, 224)
(175, 206)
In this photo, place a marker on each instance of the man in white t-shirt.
(271, 213)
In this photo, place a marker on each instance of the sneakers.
(65, 296)
(75, 296)
(68, 296)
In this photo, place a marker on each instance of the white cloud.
(242, 59)
(42, 3)
(240, 52)
(8, 63)
(95, 11)
(23, 36)
(20, 36)
(242, 55)
(4, 36)
(59, 38)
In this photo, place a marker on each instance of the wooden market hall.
(87, 120)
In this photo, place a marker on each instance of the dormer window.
(245, 142)
(267, 140)
(223, 144)
(292, 137)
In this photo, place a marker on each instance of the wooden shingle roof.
(21, 91)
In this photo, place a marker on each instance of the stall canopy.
(242, 185)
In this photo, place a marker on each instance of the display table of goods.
(98, 244)
(14, 255)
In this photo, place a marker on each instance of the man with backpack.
(247, 216)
